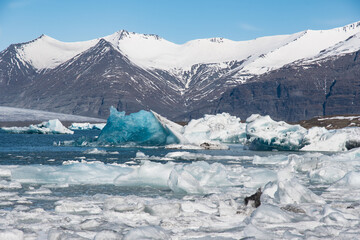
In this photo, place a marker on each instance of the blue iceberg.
(142, 128)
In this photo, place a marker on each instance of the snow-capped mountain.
(134, 71)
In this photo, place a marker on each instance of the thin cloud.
(20, 4)
(248, 27)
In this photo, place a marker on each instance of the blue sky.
(175, 20)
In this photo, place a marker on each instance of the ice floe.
(50, 127)
(87, 126)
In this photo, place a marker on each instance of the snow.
(153, 52)
(339, 118)
(141, 128)
(11, 114)
(46, 52)
(53, 126)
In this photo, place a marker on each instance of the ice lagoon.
(116, 192)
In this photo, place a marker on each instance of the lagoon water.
(77, 192)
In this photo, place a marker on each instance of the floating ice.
(87, 126)
(196, 177)
(11, 234)
(220, 127)
(288, 190)
(50, 127)
(263, 133)
(350, 180)
(141, 128)
(98, 151)
(321, 139)
(148, 232)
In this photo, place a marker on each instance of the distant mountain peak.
(153, 52)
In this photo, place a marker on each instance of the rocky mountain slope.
(290, 77)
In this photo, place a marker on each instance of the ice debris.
(87, 126)
(50, 127)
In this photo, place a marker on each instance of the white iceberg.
(321, 139)
(263, 133)
(50, 127)
(87, 126)
(220, 127)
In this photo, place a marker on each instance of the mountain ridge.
(142, 71)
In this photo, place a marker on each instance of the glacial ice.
(220, 127)
(321, 139)
(148, 232)
(147, 128)
(87, 126)
(210, 205)
(264, 134)
(141, 128)
(50, 127)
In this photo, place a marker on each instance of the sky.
(178, 21)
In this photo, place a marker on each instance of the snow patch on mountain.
(153, 52)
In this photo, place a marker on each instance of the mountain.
(290, 77)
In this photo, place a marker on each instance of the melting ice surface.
(52, 192)
(141, 128)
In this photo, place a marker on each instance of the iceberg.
(50, 127)
(142, 128)
(321, 139)
(87, 126)
(220, 127)
(265, 134)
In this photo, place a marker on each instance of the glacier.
(142, 128)
(53, 126)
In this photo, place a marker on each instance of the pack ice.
(50, 127)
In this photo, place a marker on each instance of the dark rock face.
(330, 87)
(102, 76)
(92, 82)
(255, 198)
